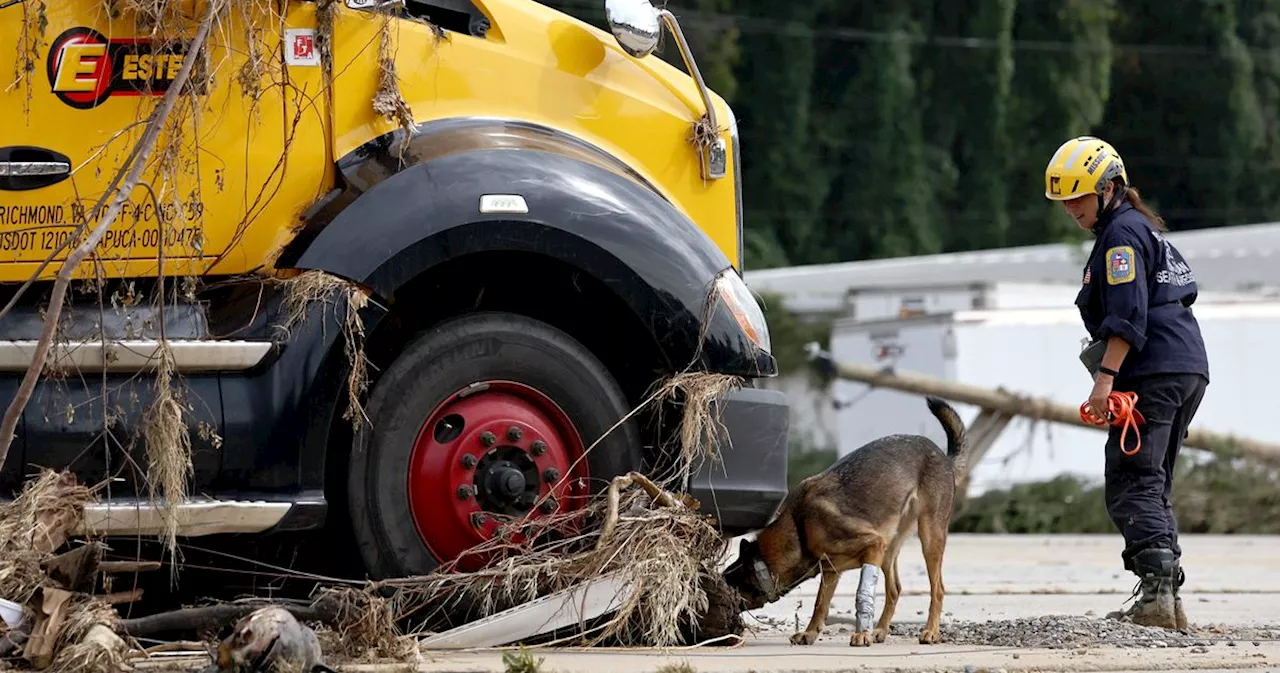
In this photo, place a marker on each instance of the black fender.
(585, 208)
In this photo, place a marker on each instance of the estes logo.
(85, 68)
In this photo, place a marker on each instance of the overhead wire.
(764, 25)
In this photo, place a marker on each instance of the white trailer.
(1034, 351)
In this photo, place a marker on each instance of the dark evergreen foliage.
(898, 127)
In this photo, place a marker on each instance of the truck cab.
(408, 269)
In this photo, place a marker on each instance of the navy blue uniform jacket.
(1137, 286)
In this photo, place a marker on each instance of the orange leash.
(1122, 410)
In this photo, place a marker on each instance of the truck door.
(366, 33)
(87, 83)
(212, 200)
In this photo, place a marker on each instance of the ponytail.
(1135, 199)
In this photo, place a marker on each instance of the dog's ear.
(747, 548)
(744, 545)
(743, 556)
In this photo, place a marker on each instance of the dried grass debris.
(36, 524)
(365, 626)
(704, 134)
(702, 430)
(167, 439)
(85, 641)
(389, 101)
(31, 39)
(668, 554)
(256, 57)
(303, 291)
(357, 363)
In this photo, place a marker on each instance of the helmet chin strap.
(1116, 197)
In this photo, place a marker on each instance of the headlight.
(742, 305)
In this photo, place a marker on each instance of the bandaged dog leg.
(866, 600)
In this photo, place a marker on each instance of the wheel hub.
(491, 454)
(506, 481)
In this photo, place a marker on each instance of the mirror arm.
(687, 54)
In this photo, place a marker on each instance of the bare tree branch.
(135, 167)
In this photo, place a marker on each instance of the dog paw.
(930, 636)
(804, 638)
(860, 639)
(880, 635)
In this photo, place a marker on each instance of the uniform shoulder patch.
(1120, 265)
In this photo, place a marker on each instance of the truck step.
(133, 355)
(196, 517)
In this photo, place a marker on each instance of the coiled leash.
(1122, 410)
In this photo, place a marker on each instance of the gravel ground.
(1053, 632)
(1070, 631)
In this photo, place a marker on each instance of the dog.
(856, 514)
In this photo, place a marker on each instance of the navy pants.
(1139, 487)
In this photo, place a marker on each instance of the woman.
(1136, 305)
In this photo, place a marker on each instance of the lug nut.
(488, 439)
(465, 492)
(514, 434)
(551, 474)
(538, 447)
(549, 505)
(469, 461)
(479, 519)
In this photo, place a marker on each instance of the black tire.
(441, 361)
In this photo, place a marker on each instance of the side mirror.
(635, 25)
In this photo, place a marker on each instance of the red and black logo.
(85, 68)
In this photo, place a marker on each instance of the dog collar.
(764, 579)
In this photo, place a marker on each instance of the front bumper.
(746, 484)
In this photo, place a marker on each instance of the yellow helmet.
(1082, 165)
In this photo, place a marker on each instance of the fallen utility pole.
(1003, 402)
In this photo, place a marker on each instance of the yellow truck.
(543, 219)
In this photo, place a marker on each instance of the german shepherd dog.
(856, 514)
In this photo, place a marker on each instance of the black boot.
(1159, 577)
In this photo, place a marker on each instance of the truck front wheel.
(483, 419)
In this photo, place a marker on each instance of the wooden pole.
(1024, 405)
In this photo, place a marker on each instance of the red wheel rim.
(483, 457)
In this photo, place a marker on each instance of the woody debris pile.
(651, 551)
(54, 618)
(58, 608)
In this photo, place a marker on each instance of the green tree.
(1057, 94)
(1259, 28)
(1186, 115)
(715, 45)
(783, 180)
(968, 92)
(882, 197)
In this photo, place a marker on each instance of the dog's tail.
(957, 439)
